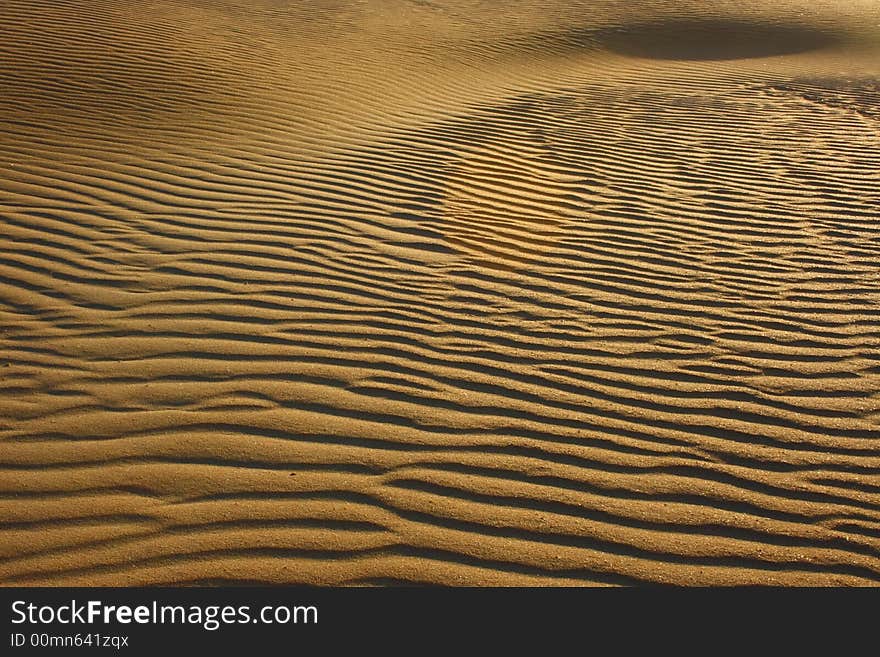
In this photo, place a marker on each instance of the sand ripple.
(395, 292)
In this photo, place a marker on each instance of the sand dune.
(445, 292)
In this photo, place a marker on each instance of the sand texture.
(445, 292)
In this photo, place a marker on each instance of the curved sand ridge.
(439, 293)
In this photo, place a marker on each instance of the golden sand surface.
(452, 291)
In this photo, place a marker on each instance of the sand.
(450, 292)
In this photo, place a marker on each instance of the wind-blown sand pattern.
(453, 292)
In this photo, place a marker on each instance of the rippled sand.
(456, 292)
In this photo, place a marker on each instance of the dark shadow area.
(709, 40)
